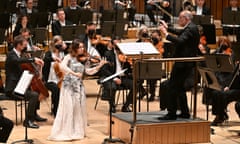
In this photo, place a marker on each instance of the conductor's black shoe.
(168, 117)
(184, 115)
(125, 109)
(39, 119)
(30, 124)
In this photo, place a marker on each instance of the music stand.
(219, 62)
(108, 15)
(228, 17)
(5, 18)
(70, 32)
(201, 19)
(209, 31)
(85, 16)
(20, 90)
(40, 34)
(107, 28)
(110, 139)
(43, 19)
(33, 19)
(209, 78)
(73, 16)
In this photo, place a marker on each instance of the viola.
(59, 73)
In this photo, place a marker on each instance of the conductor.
(186, 44)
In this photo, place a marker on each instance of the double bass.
(36, 83)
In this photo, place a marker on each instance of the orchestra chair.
(18, 101)
(120, 90)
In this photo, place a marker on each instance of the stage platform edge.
(150, 130)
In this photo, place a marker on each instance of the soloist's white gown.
(71, 119)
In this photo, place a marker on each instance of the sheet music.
(23, 83)
(112, 76)
(136, 48)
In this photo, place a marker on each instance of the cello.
(36, 83)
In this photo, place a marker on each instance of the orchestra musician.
(156, 40)
(201, 9)
(89, 39)
(29, 9)
(25, 32)
(51, 76)
(56, 25)
(13, 73)
(230, 86)
(6, 126)
(113, 66)
(150, 6)
(21, 23)
(126, 5)
(186, 46)
(73, 7)
(233, 7)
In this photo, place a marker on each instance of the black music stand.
(147, 70)
(71, 32)
(107, 28)
(43, 19)
(110, 139)
(19, 92)
(73, 16)
(85, 16)
(201, 19)
(40, 35)
(219, 62)
(230, 22)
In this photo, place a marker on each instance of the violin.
(98, 39)
(87, 57)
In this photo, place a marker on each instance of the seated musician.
(22, 22)
(233, 7)
(110, 87)
(52, 75)
(60, 22)
(73, 7)
(6, 126)
(25, 32)
(150, 7)
(13, 73)
(28, 9)
(220, 99)
(90, 40)
(128, 6)
(156, 40)
(200, 8)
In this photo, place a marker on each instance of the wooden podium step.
(149, 130)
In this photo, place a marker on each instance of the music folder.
(23, 83)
